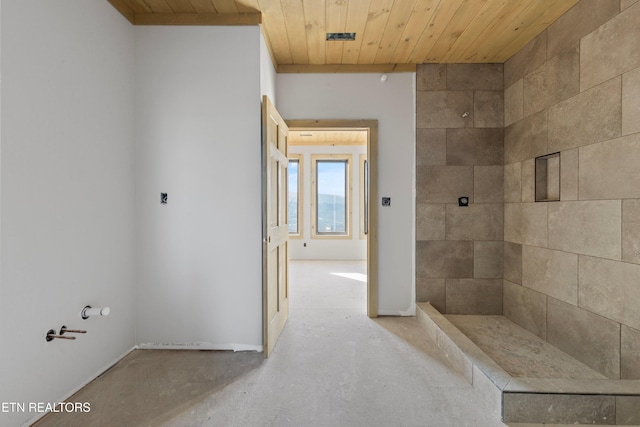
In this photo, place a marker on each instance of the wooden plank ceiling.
(391, 35)
(315, 136)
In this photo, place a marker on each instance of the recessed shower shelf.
(548, 178)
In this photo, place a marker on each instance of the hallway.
(333, 366)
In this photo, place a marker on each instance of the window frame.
(348, 159)
(363, 210)
(299, 158)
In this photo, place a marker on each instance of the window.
(331, 203)
(331, 196)
(294, 183)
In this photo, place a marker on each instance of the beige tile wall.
(571, 269)
(460, 250)
(568, 271)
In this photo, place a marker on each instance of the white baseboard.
(199, 346)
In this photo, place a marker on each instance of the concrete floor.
(333, 366)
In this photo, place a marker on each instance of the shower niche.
(548, 178)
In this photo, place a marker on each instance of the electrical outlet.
(163, 198)
(386, 201)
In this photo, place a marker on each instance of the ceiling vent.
(341, 37)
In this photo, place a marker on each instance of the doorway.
(329, 208)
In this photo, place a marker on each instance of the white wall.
(198, 139)
(67, 194)
(267, 72)
(392, 103)
(354, 248)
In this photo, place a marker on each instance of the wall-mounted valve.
(51, 335)
(64, 330)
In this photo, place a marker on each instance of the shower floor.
(518, 351)
(523, 379)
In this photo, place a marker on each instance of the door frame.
(372, 158)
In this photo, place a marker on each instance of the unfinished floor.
(333, 366)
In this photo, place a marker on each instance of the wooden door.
(275, 277)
